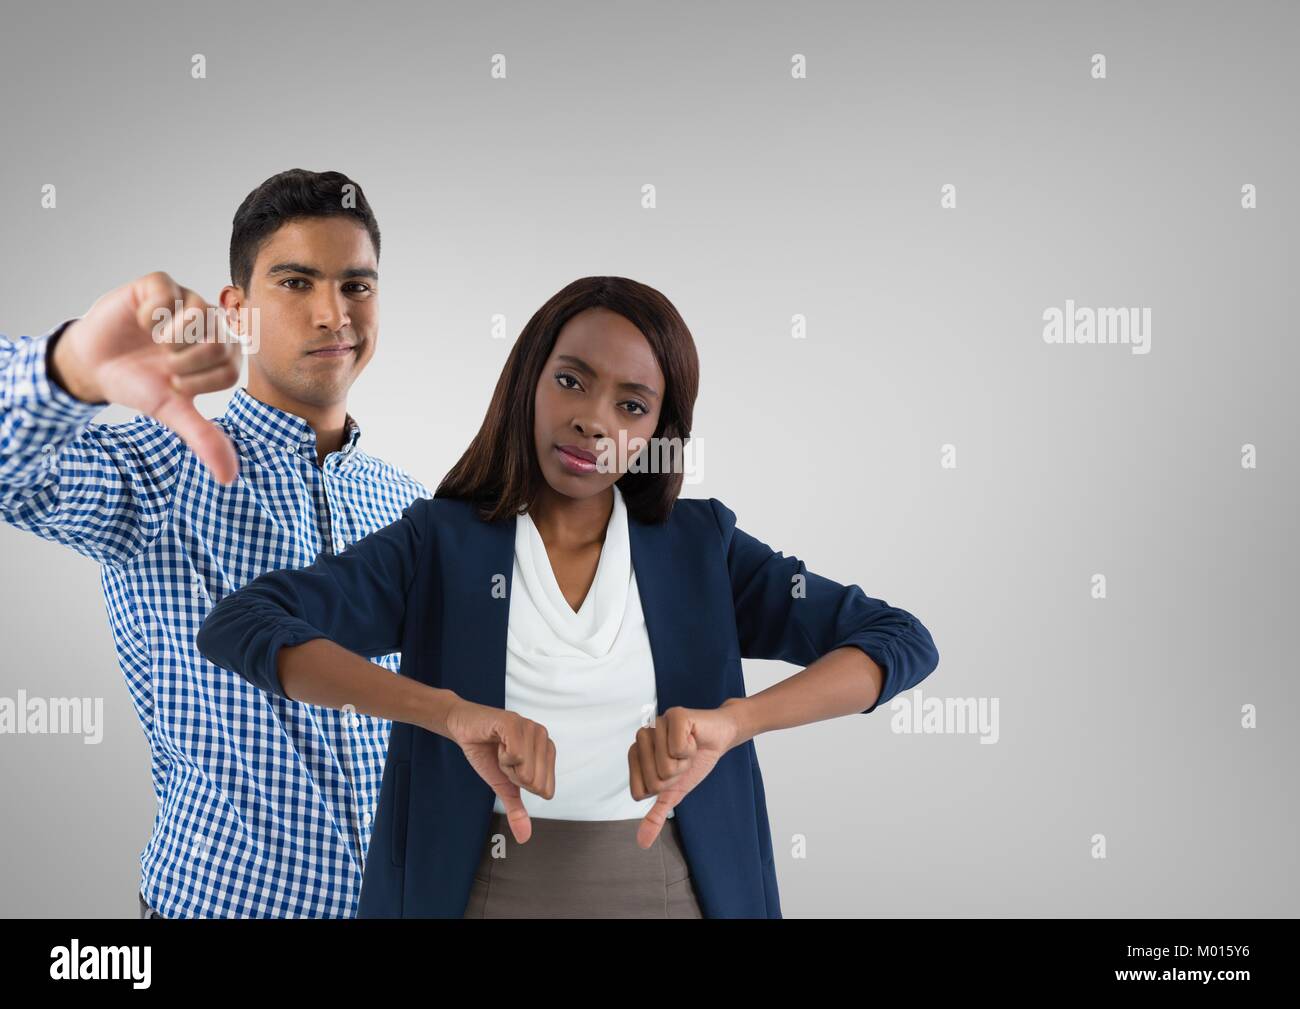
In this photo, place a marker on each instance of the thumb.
(207, 440)
(517, 816)
(507, 788)
(648, 832)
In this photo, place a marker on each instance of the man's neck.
(328, 422)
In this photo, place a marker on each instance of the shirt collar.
(267, 423)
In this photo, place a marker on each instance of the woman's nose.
(589, 428)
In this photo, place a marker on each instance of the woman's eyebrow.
(583, 366)
(639, 388)
(578, 363)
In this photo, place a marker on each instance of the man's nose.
(331, 310)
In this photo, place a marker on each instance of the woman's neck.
(572, 523)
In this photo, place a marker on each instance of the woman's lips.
(575, 463)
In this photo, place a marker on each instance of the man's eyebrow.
(311, 271)
(583, 366)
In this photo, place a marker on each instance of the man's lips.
(577, 460)
(338, 350)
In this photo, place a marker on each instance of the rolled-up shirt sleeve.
(784, 611)
(357, 599)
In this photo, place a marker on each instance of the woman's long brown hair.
(499, 471)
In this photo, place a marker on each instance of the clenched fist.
(671, 757)
(134, 349)
(507, 751)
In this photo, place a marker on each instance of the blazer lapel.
(476, 612)
(674, 613)
(649, 545)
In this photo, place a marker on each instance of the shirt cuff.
(36, 391)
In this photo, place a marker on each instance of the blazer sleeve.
(784, 611)
(356, 599)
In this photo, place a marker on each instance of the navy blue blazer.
(424, 585)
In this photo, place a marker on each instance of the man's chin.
(319, 394)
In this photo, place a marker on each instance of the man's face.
(315, 289)
(600, 381)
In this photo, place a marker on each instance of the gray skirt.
(582, 869)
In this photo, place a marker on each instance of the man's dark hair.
(288, 196)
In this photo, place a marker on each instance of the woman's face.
(598, 401)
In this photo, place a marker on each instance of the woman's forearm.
(322, 672)
(844, 681)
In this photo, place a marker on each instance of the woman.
(571, 735)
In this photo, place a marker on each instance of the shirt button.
(365, 819)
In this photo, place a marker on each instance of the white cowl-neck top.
(587, 676)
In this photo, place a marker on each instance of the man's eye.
(293, 280)
(359, 288)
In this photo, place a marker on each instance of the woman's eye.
(562, 376)
(641, 408)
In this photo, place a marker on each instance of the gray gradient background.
(776, 196)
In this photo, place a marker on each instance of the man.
(265, 804)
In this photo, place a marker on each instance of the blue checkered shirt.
(264, 804)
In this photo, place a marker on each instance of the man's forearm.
(322, 672)
(844, 681)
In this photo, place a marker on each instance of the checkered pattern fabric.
(264, 804)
